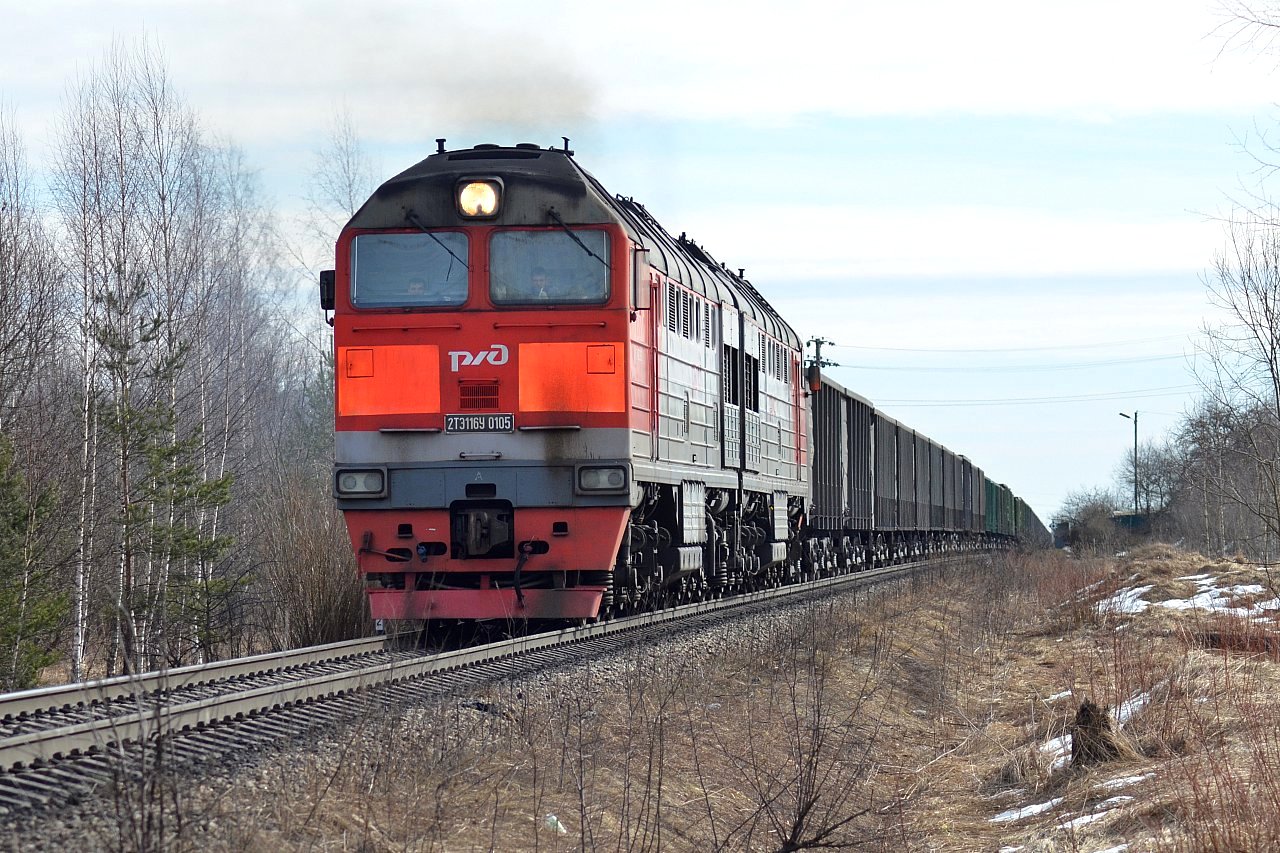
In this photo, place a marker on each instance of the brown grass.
(906, 722)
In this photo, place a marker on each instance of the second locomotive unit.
(547, 407)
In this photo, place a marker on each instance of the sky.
(1002, 214)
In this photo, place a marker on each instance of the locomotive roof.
(424, 193)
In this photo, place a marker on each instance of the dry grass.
(909, 721)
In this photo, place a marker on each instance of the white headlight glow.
(479, 199)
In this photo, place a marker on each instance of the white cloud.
(270, 70)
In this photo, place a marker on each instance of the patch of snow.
(1126, 601)
(1100, 811)
(1011, 849)
(1215, 599)
(1118, 849)
(1125, 781)
(1025, 811)
(1131, 706)
(1055, 697)
(1058, 750)
(1084, 819)
(1204, 577)
(1056, 744)
(1112, 802)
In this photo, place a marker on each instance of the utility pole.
(1134, 418)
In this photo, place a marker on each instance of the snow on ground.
(1210, 596)
(1058, 750)
(1126, 601)
(1100, 811)
(1214, 598)
(1131, 706)
(1126, 781)
(1026, 811)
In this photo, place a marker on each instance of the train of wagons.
(548, 407)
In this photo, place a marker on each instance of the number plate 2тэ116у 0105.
(479, 423)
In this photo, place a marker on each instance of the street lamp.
(1134, 418)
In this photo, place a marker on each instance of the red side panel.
(388, 380)
(572, 377)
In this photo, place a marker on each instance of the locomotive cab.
(482, 312)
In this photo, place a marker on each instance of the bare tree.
(1088, 518)
(1240, 373)
(1158, 471)
(29, 276)
(173, 303)
(342, 177)
(309, 581)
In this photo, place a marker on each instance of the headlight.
(360, 484)
(479, 199)
(611, 479)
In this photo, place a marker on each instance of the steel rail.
(62, 697)
(153, 718)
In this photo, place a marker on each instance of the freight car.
(548, 407)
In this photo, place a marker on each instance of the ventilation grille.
(478, 396)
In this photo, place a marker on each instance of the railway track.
(63, 742)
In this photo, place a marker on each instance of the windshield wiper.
(412, 219)
(551, 211)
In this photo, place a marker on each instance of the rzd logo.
(495, 355)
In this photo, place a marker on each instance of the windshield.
(407, 270)
(548, 267)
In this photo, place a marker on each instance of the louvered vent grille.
(478, 396)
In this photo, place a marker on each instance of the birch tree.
(31, 606)
(129, 187)
(29, 277)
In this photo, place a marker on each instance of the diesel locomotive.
(548, 407)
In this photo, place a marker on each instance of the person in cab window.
(538, 283)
